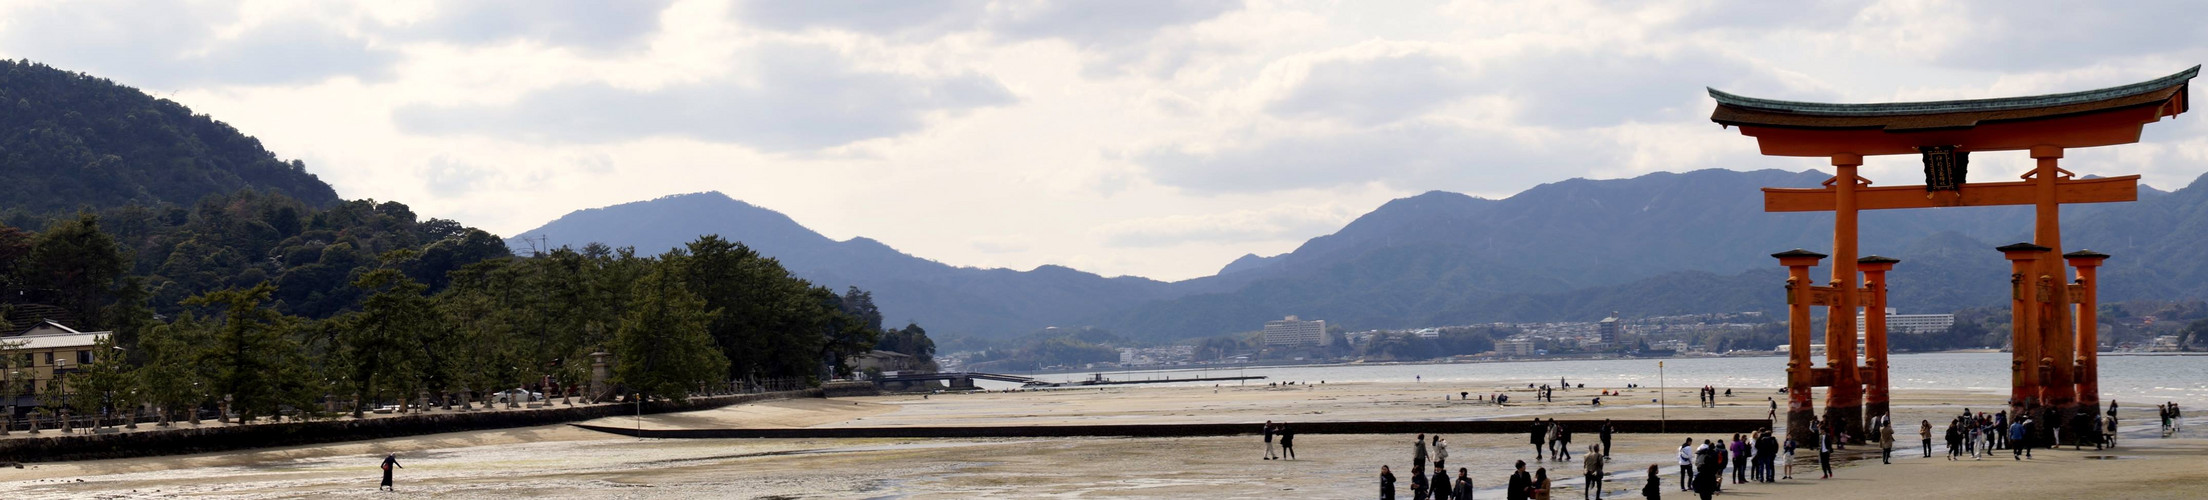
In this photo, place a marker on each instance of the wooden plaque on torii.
(2055, 375)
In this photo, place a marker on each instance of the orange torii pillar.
(2058, 342)
(1801, 374)
(2024, 290)
(1844, 402)
(2089, 339)
(1874, 334)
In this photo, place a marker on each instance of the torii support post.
(2089, 338)
(2058, 342)
(1875, 353)
(1801, 375)
(2024, 394)
(1844, 401)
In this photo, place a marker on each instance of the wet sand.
(564, 462)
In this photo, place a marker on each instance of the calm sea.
(2145, 379)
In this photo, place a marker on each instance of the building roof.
(1737, 110)
(54, 341)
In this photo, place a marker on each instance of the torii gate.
(2055, 365)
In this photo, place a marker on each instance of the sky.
(1156, 138)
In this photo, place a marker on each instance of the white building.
(1907, 323)
(1295, 332)
(1514, 347)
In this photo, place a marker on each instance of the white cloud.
(1283, 222)
(1160, 139)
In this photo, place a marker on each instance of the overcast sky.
(1151, 138)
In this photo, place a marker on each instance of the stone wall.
(181, 438)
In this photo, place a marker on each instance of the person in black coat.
(1418, 482)
(1606, 430)
(1520, 482)
(1540, 433)
(1287, 443)
(1654, 490)
(390, 461)
(1464, 484)
(1387, 484)
(1440, 484)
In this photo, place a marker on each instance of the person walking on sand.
(1789, 457)
(1440, 484)
(2018, 449)
(1740, 459)
(1387, 484)
(1269, 441)
(1541, 431)
(1886, 443)
(1418, 482)
(1686, 465)
(1593, 464)
(1418, 451)
(1287, 442)
(1464, 484)
(390, 461)
(1924, 431)
(1541, 483)
(1562, 442)
(1825, 439)
(1654, 488)
(1441, 454)
(1520, 484)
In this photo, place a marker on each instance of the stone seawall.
(1585, 428)
(180, 438)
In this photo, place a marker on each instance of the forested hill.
(70, 140)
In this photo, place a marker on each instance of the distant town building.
(1608, 331)
(1291, 331)
(1514, 347)
(1907, 323)
(47, 350)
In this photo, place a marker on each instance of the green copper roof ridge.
(1954, 106)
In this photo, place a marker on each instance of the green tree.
(662, 345)
(174, 377)
(383, 344)
(78, 263)
(256, 365)
(106, 386)
(911, 341)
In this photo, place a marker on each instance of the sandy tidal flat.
(564, 462)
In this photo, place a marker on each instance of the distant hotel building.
(1907, 323)
(1295, 332)
(1514, 347)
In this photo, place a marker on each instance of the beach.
(566, 462)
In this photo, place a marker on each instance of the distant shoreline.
(1291, 364)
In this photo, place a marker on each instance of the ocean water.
(2145, 380)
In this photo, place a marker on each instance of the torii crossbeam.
(2055, 366)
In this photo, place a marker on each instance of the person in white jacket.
(1686, 465)
(1441, 453)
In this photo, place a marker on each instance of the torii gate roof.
(2090, 118)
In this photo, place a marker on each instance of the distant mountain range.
(1663, 243)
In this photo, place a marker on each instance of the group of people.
(1556, 438)
(1440, 486)
(1287, 441)
(1709, 396)
(2171, 416)
(1751, 457)
(1975, 434)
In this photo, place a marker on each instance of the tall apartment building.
(1907, 323)
(1291, 331)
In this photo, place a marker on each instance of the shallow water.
(2146, 380)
